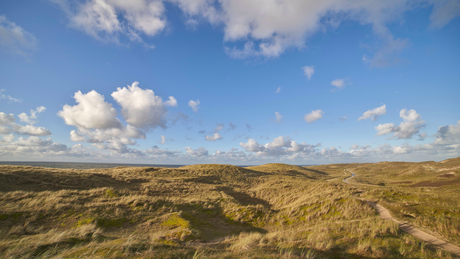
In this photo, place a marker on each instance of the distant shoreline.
(92, 165)
(83, 165)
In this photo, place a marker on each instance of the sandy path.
(385, 214)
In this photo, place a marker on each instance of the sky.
(238, 82)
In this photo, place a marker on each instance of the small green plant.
(111, 193)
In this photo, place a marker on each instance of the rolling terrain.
(224, 211)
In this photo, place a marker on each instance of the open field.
(224, 211)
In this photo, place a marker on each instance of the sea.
(81, 165)
(84, 165)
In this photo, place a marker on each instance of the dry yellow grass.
(199, 211)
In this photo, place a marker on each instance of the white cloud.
(268, 29)
(279, 25)
(252, 146)
(374, 113)
(91, 112)
(33, 115)
(278, 90)
(163, 139)
(279, 147)
(384, 129)
(157, 152)
(194, 105)
(7, 123)
(32, 147)
(411, 125)
(422, 136)
(278, 117)
(401, 149)
(6, 119)
(197, 152)
(7, 97)
(448, 135)
(356, 146)
(6, 139)
(14, 39)
(308, 71)
(4, 130)
(313, 116)
(214, 137)
(110, 135)
(74, 136)
(31, 130)
(278, 142)
(107, 20)
(141, 108)
(339, 84)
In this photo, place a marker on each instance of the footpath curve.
(385, 214)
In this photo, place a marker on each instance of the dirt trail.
(385, 214)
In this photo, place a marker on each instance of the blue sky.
(297, 82)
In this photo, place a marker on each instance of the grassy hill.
(215, 211)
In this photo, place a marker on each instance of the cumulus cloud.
(142, 108)
(197, 152)
(271, 29)
(6, 119)
(163, 139)
(308, 71)
(339, 84)
(313, 116)
(91, 111)
(74, 136)
(374, 113)
(33, 115)
(157, 152)
(194, 105)
(14, 39)
(113, 134)
(109, 20)
(267, 30)
(280, 146)
(278, 117)
(7, 125)
(252, 146)
(6, 139)
(422, 136)
(31, 130)
(356, 146)
(448, 135)
(33, 145)
(7, 97)
(411, 125)
(231, 155)
(97, 123)
(213, 137)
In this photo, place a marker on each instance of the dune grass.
(199, 211)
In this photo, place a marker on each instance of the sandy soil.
(385, 214)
